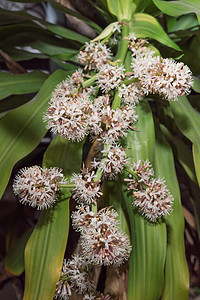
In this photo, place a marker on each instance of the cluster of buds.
(151, 196)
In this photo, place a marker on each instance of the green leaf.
(45, 250)
(65, 155)
(122, 9)
(146, 26)
(146, 265)
(182, 151)
(21, 55)
(196, 84)
(28, 27)
(178, 8)
(13, 102)
(14, 260)
(52, 50)
(182, 23)
(12, 17)
(66, 33)
(176, 284)
(106, 32)
(188, 121)
(11, 84)
(113, 196)
(22, 129)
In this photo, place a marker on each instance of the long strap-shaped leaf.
(176, 271)
(45, 249)
(146, 271)
(188, 121)
(144, 25)
(20, 83)
(22, 129)
(178, 8)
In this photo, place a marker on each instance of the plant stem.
(120, 56)
(123, 46)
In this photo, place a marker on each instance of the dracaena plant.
(115, 107)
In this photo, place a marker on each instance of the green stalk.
(89, 81)
(123, 46)
(120, 56)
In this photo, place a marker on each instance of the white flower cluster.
(110, 76)
(102, 242)
(37, 186)
(152, 197)
(75, 275)
(86, 189)
(94, 55)
(74, 116)
(157, 75)
(131, 94)
(113, 162)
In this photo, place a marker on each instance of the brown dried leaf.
(117, 282)
(77, 24)
(12, 65)
(189, 218)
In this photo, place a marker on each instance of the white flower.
(132, 93)
(143, 171)
(110, 76)
(114, 159)
(152, 197)
(96, 296)
(68, 115)
(94, 55)
(105, 245)
(116, 27)
(77, 77)
(144, 62)
(101, 240)
(86, 189)
(154, 201)
(37, 186)
(116, 123)
(83, 218)
(165, 77)
(75, 274)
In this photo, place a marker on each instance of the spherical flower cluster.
(94, 55)
(116, 123)
(165, 77)
(154, 201)
(86, 189)
(110, 76)
(152, 197)
(101, 240)
(113, 162)
(37, 186)
(68, 114)
(131, 94)
(75, 274)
